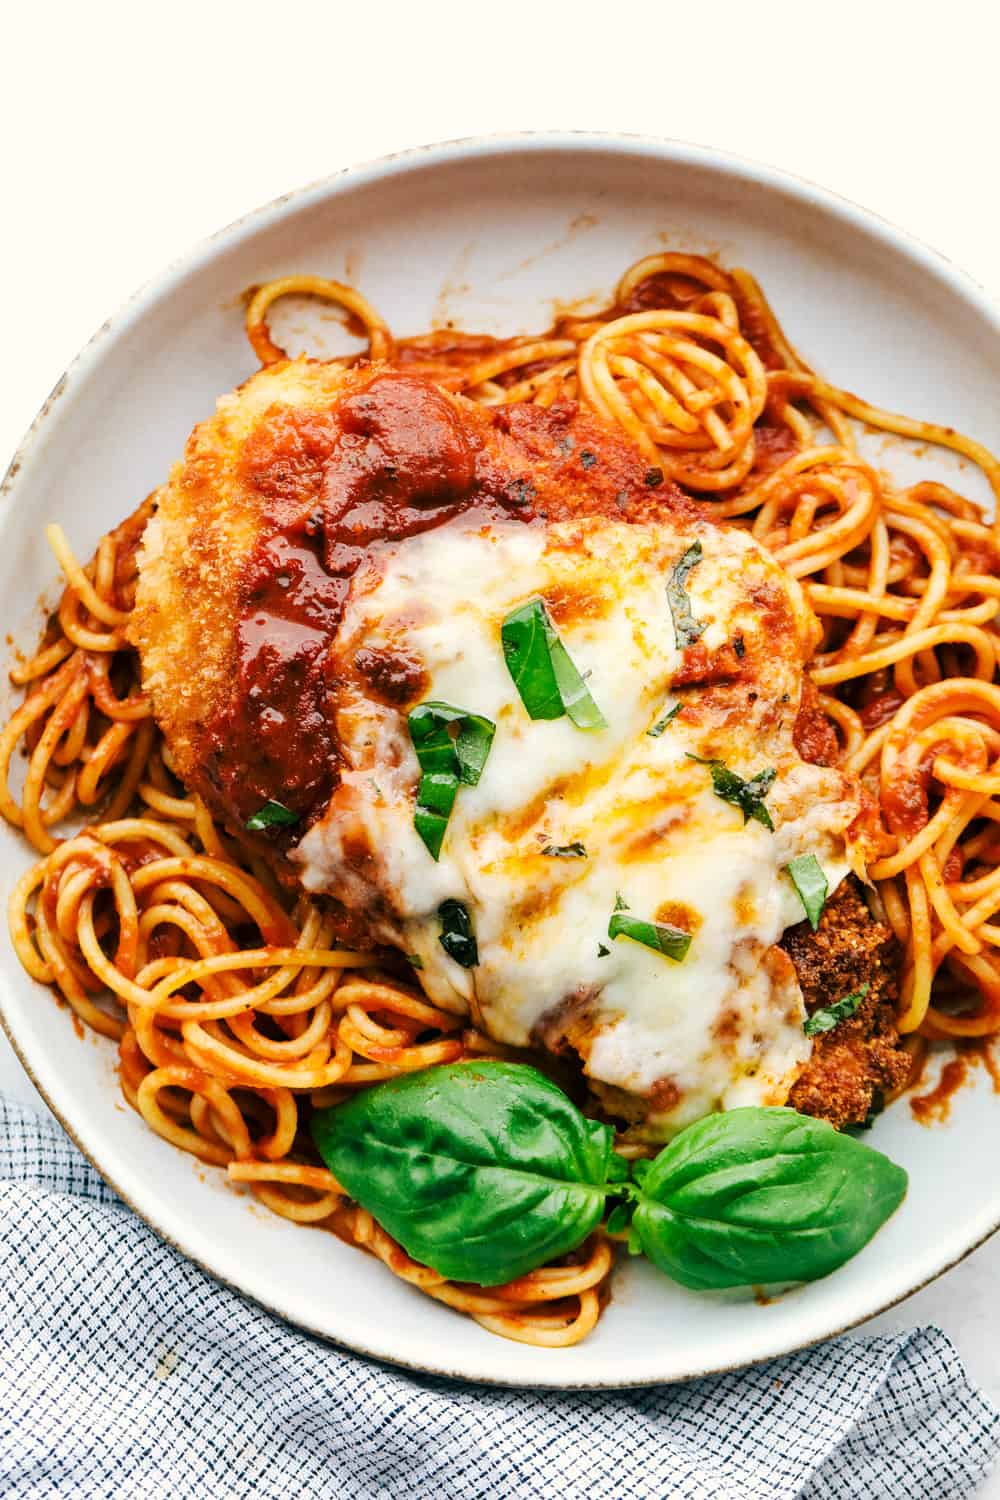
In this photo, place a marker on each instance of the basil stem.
(446, 761)
(686, 628)
(807, 876)
(457, 937)
(543, 671)
(672, 942)
(271, 815)
(748, 796)
(832, 1015)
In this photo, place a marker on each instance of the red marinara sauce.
(384, 462)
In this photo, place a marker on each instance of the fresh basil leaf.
(543, 671)
(661, 723)
(673, 942)
(435, 800)
(481, 1170)
(446, 762)
(641, 1169)
(457, 937)
(463, 753)
(762, 1195)
(619, 1168)
(574, 692)
(472, 746)
(687, 629)
(832, 1015)
(748, 796)
(271, 815)
(529, 662)
(808, 879)
(565, 851)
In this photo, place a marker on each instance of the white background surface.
(129, 133)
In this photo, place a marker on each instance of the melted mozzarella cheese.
(723, 1026)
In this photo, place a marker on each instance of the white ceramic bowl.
(489, 233)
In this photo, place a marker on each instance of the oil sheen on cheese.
(662, 1042)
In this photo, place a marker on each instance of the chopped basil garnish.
(808, 879)
(457, 937)
(446, 762)
(748, 796)
(587, 458)
(565, 851)
(832, 1015)
(272, 815)
(543, 672)
(414, 960)
(661, 723)
(437, 750)
(673, 942)
(686, 628)
(603, 950)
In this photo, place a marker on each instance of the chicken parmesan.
(512, 775)
(337, 551)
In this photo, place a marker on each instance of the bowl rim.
(162, 284)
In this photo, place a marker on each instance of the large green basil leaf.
(481, 1170)
(762, 1195)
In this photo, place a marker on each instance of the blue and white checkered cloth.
(125, 1371)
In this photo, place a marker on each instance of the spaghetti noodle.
(233, 1009)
